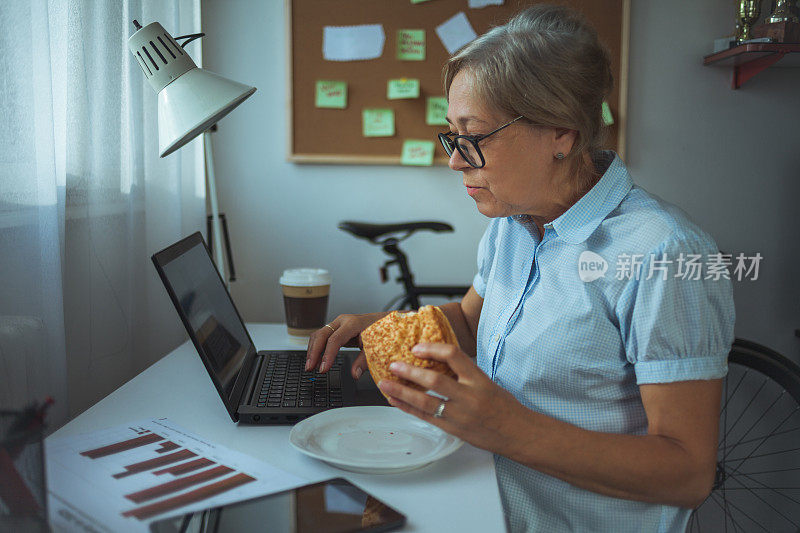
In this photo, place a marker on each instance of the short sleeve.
(486, 253)
(677, 318)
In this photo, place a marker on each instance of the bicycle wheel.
(757, 485)
(399, 303)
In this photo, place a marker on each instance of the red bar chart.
(185, 467)
(125, 445)
(139, 473)
(154, 465)
(178, 484)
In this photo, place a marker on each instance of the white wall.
(728, 157)
(722, 155)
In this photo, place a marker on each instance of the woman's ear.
(565, 139)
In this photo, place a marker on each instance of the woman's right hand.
(344, 330)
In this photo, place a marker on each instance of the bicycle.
(373, 233)
(757, 484)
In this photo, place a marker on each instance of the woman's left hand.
(477, 410)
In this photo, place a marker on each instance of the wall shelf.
(749, 59)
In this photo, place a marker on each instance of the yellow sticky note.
(411, 45)
(418, 153)
(436, 111)
(331, 94)
(402, 88)
(608, 118)
(378, 122)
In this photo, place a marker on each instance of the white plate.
(372, 439)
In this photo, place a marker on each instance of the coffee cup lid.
(305, 277)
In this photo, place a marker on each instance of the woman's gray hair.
(548, 65)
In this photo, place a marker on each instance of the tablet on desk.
(332, 506)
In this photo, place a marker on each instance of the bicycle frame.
(412, 291)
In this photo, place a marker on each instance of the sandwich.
(391, 338)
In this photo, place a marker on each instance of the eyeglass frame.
(446, 141)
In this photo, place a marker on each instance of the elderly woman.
(598, 390)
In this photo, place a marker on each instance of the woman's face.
(521, 175)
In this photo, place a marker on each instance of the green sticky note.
(402, 88)
(608, 118)
(331, 94)
(436, 111)
(419, 1)
(419, 153)
(411, 45)
(378, 122)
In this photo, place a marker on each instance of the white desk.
(458, 493)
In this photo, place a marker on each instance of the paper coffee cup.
(305, 300)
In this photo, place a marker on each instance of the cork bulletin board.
(325, 135)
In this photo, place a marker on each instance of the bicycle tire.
(767, 498)
(398, 303)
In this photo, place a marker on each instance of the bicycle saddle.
(369, 231)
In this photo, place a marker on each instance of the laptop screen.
(206, 307)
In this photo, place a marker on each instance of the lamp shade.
(190, 99)
(193, 103)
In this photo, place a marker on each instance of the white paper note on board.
(475, 4)
(455, 32)
(353, 43)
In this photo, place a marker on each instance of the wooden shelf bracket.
(745, 71)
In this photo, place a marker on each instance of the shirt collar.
(578, 222)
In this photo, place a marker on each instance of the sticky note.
(608, 118)
(378, 122)
(331, 94)
(436, 111)
(402, 88)
(419, 153)
(419, 1)
(477, 4)
(352, 43)
(411, 45)
(455, 32)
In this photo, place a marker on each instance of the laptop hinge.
(249, 388)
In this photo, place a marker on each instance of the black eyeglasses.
(467, 145)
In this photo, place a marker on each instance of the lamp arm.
(189, 38)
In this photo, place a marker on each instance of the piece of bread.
(392, 337)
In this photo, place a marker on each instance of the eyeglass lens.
(469, 151)
(466, 148)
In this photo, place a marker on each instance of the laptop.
(257, 387)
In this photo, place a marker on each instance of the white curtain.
(85, 200)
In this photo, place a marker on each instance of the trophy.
(782, 26)
(747, 13)
(782, 12)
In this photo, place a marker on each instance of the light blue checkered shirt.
(577, 349)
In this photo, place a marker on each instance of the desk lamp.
(190, 100)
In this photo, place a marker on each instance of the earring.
(560, 155)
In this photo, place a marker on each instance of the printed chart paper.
(455, 32)
(353, 43)
(411, 45)
(402, 88)
(123, 478)
(418, 153)
(332, 94)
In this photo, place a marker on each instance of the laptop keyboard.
(287, 384)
